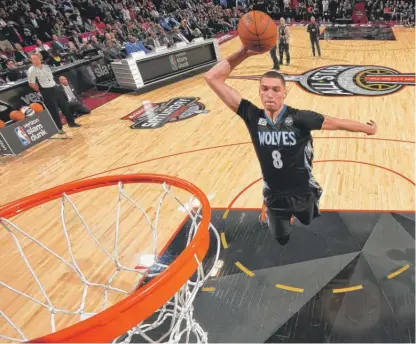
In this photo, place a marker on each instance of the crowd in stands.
(330, 10)
(396, 10)
(62, 30)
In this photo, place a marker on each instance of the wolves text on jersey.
(277, 138)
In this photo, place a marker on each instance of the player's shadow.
(407, 255)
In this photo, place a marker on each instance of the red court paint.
(321, 161)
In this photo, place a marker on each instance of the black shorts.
(305, 207)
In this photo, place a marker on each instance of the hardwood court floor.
(105, 142)
(213, 151)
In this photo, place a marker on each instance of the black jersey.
(284, 148)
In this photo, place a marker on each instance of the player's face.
(272, 93)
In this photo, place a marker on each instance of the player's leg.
(279, 224)
(273, 55)
(308, 206)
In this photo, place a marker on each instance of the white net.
(173, 323)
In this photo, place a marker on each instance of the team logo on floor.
(349, 80)
(155, 115)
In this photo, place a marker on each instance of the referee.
(41, 79)
(313, 29)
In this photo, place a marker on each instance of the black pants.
(78, 108)
(273, 55)
(284, 47)
(280, 209)
(55, 100)
(313, 43)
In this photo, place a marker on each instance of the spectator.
(27, 31)
(20, 55)
(72, 48)
(12, 73)
(98, 23)
(76, 39)
(133, 46)
(176, 36)
(57, 46)
(186, 31)
(85, 45)
(153, 41)
(96, 44)
(58, 28)
(33, 21)
(12, 34)
(112, 53)
(89, 26)
(325, 8)
(40, 46)
(74, 104)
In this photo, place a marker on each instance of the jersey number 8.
(277, 159)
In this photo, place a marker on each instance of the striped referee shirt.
(43, 75)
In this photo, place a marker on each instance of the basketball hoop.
(164, 292)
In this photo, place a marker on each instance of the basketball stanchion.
(157, 307)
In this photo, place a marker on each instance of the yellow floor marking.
(287, 287)
(224, 240)
(346, 290)
(208, 289)
(225, 214)
(244, 269)
(398, 272)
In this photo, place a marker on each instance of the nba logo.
(24, 139)
(173, 62)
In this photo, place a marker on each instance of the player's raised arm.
(217, 75)
(331, 123)
(315, 121)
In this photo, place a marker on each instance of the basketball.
(27, 111)
(17, 115)
(36, 107)
(257, 31)
(2, 124)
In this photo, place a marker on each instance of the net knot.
(83, 279)
(52, 309)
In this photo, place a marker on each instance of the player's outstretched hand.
(249, 52)
(372, 127)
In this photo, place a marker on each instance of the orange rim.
(121, 317)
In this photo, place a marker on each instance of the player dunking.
(282, 139)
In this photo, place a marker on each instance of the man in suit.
(112, 53)
(20, 55)
(12, 34)
(153, 41)
(75, 105)
(176, 36)
(13, 73)
(96, 44)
